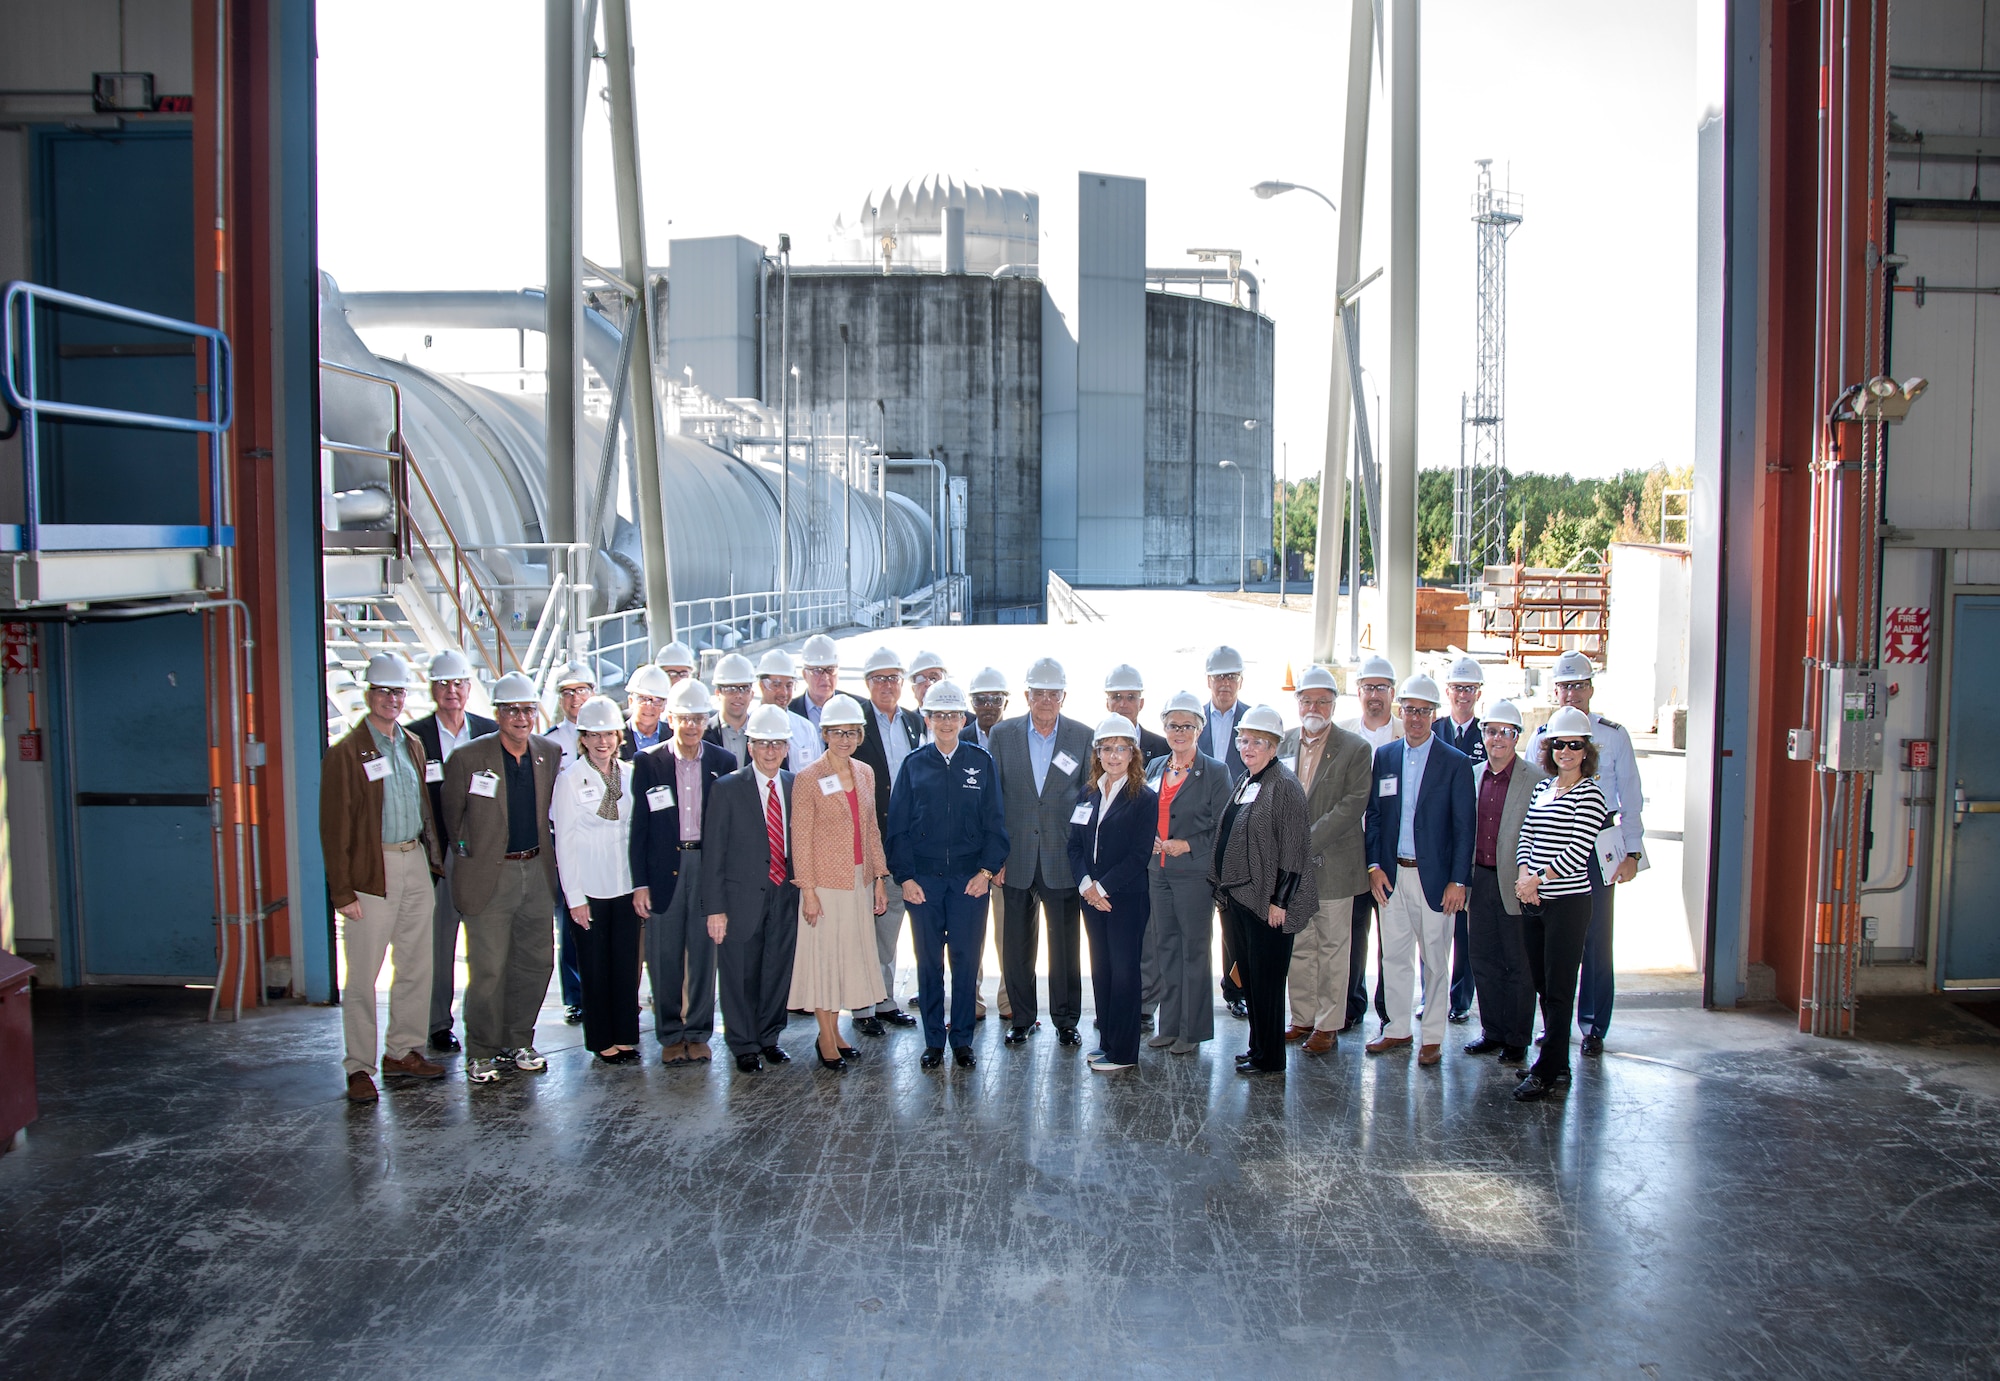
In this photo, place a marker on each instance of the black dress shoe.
(868, 1026)
(896, 1018)
(933, 1056)
(1244, 1058)
(1018, 1035)
(1239, 1009)
(835, 1063)
(962, 1056)
(1254, 1070)
(1458, 1018)
(749, 1064)
(776, 1055)
(572, 1016)
(1485, 1045)
(1514, 1055)
(443, 1041)
(850, 1054)
(1066, 1035)
(1593, 1045)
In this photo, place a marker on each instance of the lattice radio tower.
(1479, 496)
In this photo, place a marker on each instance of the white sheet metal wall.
(1110, 380)
(712, 313)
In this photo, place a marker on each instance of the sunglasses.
(1569, 745)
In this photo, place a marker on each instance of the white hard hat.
(1115, 726)
(600, 712)
(388, 672)
(1124, 677)
(1184, 702)
(881, 659)
(515, 689)
(1047, 674)
(1376, 668)
(1466, 671)
(819, 651)
(777, 662)
(1573, 666)
(675, 654)
(689, 697)
(841, 709)
(947, 697)
(925, 661)
(769, 722)
(734, 670)
(647, 680)
(989, 681)
(450, 665)
(1318, 677)
(1225, 660)
(1420, 687)
(1503, 712)
(1568, 722)
(1262, 719)
(575, 674)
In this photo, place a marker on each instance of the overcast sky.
(777, 117)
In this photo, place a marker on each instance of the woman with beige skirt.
(838, 866)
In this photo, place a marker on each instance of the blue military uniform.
(946, 824)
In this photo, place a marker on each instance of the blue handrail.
(18, 382)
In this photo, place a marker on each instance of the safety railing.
(1067, 605)
(21, 343)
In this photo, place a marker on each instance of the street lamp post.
(1242, 506)
(1284, 536)
(784, 441)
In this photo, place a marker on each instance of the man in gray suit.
(1500, 974)
(503, 880)
(1333, 766)
(746, 881)
(1041, 757)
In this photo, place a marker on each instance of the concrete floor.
(1720, 1196)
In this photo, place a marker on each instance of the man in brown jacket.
(381, 850)
(503, 879)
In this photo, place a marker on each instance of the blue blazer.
(1115, 856)
(1471, 742)
(946, 818)
(654, 845)
(1447, 818)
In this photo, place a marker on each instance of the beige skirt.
(835, 968)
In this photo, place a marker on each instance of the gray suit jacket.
(475, 827)
(1512, 812)
(736, 850)
(1038, 822)
(1196, 811)
(1270, 837)
(1336, 806)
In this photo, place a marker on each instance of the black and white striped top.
(1559, 833)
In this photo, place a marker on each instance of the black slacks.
(1500, 972)
(607, 962)
(1555, 954)
(1020, 943)
(1357, 965)
(1264, 956)
(1117, 948)
(754, 971)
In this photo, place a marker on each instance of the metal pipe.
(847, 482)
(882, 484)
(563, 302)
(1396, 563)
(619, 66)
(1945, 74)
(785, 445)
(1164, 276)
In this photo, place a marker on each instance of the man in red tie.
(746, 880)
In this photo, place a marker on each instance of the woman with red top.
(838, 867)
(1193, 791)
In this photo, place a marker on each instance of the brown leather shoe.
(1383, 1044)
(1319, 1042)
(361, 1088)
(1430, 1054)
(1297, 1033)
(411, 1066)
(698, 1052)
(675, 1054)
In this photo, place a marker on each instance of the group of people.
(761, 847)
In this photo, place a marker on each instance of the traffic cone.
(1288, 678)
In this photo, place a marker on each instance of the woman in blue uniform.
(1111, 836)
(947, 837)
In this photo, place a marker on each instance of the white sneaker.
(482, 1072)
(529, 1061)
(1107, 1066)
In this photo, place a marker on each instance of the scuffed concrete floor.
(1719, 1197)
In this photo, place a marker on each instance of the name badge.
(1250, 791)
(1386, 786)
(1065, 763)
(589, 792)
(660, 798)
(485, 784)
(1081, 815)
(1289, 764)
(433, 771)
(829, 786)
(375, 769)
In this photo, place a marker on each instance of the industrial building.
(215, 498)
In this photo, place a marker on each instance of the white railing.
(1067, 605)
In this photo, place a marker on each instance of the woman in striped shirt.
(1564, 818)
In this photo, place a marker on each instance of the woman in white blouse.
(591, 811)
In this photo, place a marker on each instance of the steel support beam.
(1397, 567)
(563, 43)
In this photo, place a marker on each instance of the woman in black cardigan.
(1264, 882)
(1111, 834)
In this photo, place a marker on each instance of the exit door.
(1969, 928)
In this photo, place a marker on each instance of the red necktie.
(774, 829)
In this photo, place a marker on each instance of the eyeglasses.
(1043, 697)
(886, 678)
(1499, 731)
(1419, 711)
(988, 700)
(393, 692)
(1116, 748)
(1181, 726)
(843, 734)
(1320, 703)
(522, 711)
(652, 702)
(925, 678)
(1234, 678)
(1568, 745)
(567, 691)
(739, 688)
(456, 683)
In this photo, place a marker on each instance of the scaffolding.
(1479, 491)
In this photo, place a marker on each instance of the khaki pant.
(399, 921)
(1318, 982)
(509, 959)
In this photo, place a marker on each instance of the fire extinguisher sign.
(17, 648)
(1906, 634)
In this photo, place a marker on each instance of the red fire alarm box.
(29, 745)
(1917, 754)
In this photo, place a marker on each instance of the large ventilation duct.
(483, 452)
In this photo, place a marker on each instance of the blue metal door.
(1969, 929)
